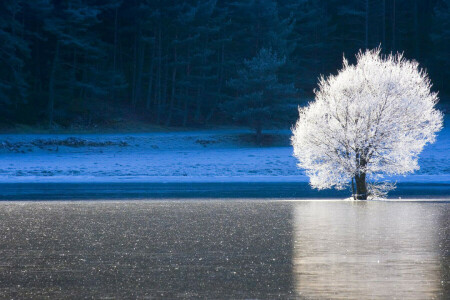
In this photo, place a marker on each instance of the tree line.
(188, 62)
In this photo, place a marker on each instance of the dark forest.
(83, 63)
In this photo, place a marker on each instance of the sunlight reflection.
(366, 250)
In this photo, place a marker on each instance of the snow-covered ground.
(200, 156)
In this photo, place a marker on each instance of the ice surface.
(248, 250)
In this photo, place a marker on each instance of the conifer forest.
(197, 63)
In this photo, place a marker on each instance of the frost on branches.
(370, 120)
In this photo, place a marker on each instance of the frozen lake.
(225, 249)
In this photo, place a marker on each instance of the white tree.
(370, 120)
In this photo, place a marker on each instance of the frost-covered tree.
(370, 120)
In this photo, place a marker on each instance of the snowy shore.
(195, 156)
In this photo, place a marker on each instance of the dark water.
(225, 249)
(189, 190)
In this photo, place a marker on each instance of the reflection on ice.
(224, 249)
(367, 250)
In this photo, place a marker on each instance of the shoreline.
(201, 190)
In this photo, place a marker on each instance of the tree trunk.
(73, 78)
(165, 82)
(139, 52)
(186, 109)
(366, 40)
(219, 84)
(258, 133)
(353, 188)
(188, 77)
(135, 65)
(116, 26)
(361, 187)
(174, 76)
(416, 29)
(198, 111)
(51, 86)
(158, 79)
(384, 24)
(201, 87)
(150, 80)
(360, 176)
(140, 69)
(393, 26)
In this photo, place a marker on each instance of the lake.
(238, 248)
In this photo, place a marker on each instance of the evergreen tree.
(262, 99)
(353, 23)
(257, 24)
(15, 49)
(168, 61)
(75, 72)
(441, 40)
(315, 43)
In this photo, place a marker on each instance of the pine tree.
(353, 23)
(15, 49)
(258, 24)
(75, 73)
(169, 61)
(315, 43)
(441, 42)
(262, 99)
